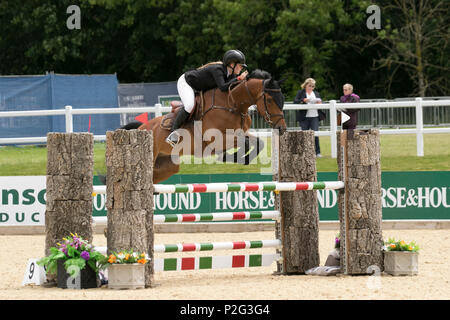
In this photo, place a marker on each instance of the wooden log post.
(70, 166)
(129, 194)
(299, 209)
(360, 210)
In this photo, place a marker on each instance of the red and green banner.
(421, 195)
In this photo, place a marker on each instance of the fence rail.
(332, 106)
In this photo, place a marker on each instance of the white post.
(158, 111)
(419, 127)
(69, 119)
(333, 128)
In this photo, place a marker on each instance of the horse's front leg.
(248, 148)
(253, 146)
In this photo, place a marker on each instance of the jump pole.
(359, 169)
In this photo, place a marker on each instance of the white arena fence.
(333, 106)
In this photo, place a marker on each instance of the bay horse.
(218, 115)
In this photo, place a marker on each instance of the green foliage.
(415, 38)
(74, 265)
(50, 261)
(400, 245)
(76, 253)
(128, 257)
(157, 40)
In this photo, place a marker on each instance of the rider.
(212, 75)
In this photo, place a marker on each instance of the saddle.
(176, 105)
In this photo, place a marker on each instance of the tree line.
(157, 40)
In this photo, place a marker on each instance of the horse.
(219, 122)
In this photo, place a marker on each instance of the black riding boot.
(181, 117)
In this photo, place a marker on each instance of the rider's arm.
(219, 77)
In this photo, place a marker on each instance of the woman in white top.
(309, 119)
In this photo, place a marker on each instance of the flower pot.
(126, 276)
(401, 263)
(86, 278)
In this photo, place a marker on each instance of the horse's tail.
(132, 125)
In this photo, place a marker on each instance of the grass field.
(398, 153)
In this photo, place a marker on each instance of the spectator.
(349, 97)
(309, 119)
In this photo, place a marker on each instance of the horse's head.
(270, 100)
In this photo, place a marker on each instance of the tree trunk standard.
(299, 209)
(70, 163)
(360, 211)
(129, 193)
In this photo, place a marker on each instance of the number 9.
(31, 270)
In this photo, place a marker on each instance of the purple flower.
(337, 243)
(63, 249)
(85, 255)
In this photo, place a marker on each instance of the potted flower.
(401, 258)
(126, 270)
(75, 263)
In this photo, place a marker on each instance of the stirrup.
(173, 138)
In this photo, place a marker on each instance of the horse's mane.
(259, 74)
(272, 84)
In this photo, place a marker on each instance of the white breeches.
(186, 94)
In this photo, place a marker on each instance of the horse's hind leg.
(164, 168)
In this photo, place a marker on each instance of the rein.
(268, 116)
(253, 101)
(234, 109)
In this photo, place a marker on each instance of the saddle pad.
(168, 119)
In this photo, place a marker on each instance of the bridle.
(268, 116)
(254, 101)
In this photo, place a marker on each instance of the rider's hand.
(242, 75)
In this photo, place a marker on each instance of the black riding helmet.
(235, 56)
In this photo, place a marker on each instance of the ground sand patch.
(245, 283)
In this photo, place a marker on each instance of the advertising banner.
(420, 195)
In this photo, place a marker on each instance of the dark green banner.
(405, 195)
